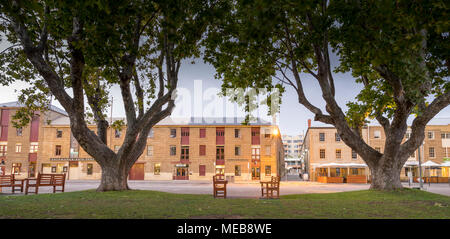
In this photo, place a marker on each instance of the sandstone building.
(190, 149)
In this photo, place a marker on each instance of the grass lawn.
(406, 203)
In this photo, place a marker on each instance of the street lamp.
(420, 167)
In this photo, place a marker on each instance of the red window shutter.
(4, 125)
(220, 135)
(202, 149)
(202, 170)
(34, 134)
(202, 133)
(184, 136)
(255, 136)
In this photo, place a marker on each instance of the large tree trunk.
(114, 178)
(385, 176)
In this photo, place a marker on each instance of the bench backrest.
(59, 179)
(50, 179)
(276, 181)
(6, 179)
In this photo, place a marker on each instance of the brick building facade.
(325, 151)
(194, 149)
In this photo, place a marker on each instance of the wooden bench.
(46, 180)
(220, 186)
(268, 188)
(10, 181)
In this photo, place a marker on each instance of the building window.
(173, 150)
(430, 135)
(202, 133)
(116, 148)
(157, 169)
(237, 150)
(321, 136)
(413, 155)
(337, 137)
(377, 134)
(58, 133)
(58, 150)
(378, 149)
(202, 150)
(3, 150)
(338, 154)
(90, 169)
(354, 154)
(237, 170)
(16, 168)
(173, 133)
(149, 150)
(268, 150)
(268, 170)
(117, 133)
(150, 133)
(202, 170)
(19, 131)
(266, 133)
(431, 151)
(18, 148)
(237, 133)
(322, 153)
(33, 148)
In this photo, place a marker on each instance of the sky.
(292, 118)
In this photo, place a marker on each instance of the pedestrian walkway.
(234, 190)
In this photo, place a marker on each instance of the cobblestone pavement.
(241, 190)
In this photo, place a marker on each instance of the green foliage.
(263, 43)
(118, 124)
(109, 36)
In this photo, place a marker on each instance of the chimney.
(309, 123)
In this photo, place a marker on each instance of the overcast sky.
(292, 118)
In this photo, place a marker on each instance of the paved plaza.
(234, 190)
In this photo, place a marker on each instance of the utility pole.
(110, 122)
(420, 168)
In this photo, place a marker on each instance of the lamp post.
(420, 167)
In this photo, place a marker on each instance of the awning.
(430, 163)
(338, 165)
(446, 164)
(412, 163)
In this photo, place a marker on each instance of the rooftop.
(16, 104)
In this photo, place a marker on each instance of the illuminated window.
(18, 148)
(157, 169)
(34, 147)
(16, 168)
(90, 169)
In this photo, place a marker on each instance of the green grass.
(405, 203)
